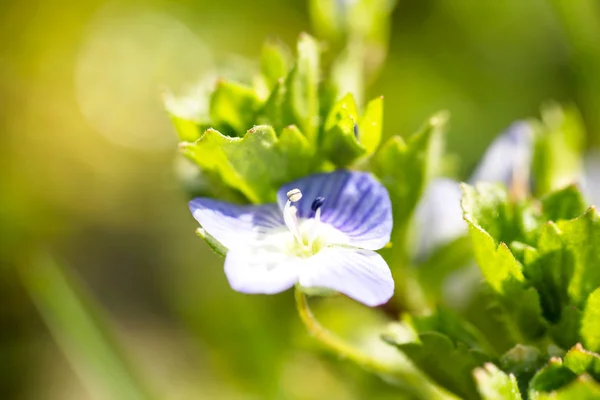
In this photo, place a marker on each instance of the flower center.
(306, 234)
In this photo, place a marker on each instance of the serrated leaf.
(581, 237)
(567, 203)
(552, 377)
(405, 168)
(558, 149)
(448, 364)
(233, 108)
(582, 388)
(494, 384)
(590, 322)
(487, 206)
(549, 268)
(581, 361)
(257, 164)
(302, 89)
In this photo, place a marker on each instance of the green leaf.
(449, 364)
(339, 141)
(522, 362)
(257, 164)
(566, 332)
(552, 377)
(567, 203)
(487, 206)
(275, 62)
(558, 150)
(581, 361)
(302, 89)
(590, 322)
(233, 108)
(494, 384)
(458, 330)
(581, 237)
(370, 125)
(582, 388)
(79, 328)
(549, 269)
(405, 168)
(186, 129)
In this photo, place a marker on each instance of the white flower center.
(310, 235)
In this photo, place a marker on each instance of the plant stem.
(333, 342)
(411, 380)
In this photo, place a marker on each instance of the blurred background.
(87, 172)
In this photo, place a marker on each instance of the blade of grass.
(76, 323)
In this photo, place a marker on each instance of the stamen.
(294, 195)
(290, 212)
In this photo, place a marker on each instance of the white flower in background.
(320, 236)
(507, 161)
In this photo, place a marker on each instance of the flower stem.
(333, 342)
(411, 380)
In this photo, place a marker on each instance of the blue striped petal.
(259, 270)
(360, 274)
(508, 154)
(355, 204)
(236, 226)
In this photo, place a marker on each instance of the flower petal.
(362, 275)
(260, 271)
(438, 218)
(355, 204)
(509, 153)
(233, 225)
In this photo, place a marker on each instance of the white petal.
(261, 270)
(236, 226)
(509, 153)
(438, 218)
(362, 275)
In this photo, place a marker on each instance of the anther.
(294, 195)
(317, 203)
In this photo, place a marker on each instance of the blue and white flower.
(322, 235)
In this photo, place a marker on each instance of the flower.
(321, 236)
(507, 161)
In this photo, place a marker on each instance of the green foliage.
(257, 164)
(233, 107)
(494, 384)
(558, 148)
(488, 206)
(446, 348)
(405, 167)
(590, 322)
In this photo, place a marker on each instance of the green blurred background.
(88, 155)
